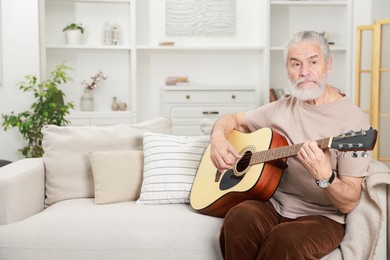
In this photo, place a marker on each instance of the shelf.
(208, 88)
(309, 3)
(332, 48)
(100, 114)
(89, 47)
(199, 48)
(89, 1)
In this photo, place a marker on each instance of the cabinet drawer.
(204, 111)
(232, 96)
(110, 121)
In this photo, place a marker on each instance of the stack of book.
(177, 81)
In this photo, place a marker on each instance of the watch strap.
(327, 182)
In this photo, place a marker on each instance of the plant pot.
(73, 37)
(86, 102)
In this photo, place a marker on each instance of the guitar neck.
(284, 151)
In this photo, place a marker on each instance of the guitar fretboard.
(283, 152)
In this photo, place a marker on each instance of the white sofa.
(91, 197)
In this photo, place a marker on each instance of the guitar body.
(214, 193)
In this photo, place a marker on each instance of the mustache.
(305, 79)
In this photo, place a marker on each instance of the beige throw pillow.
(66, 154)
(117, 175)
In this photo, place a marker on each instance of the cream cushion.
(66, 154)
(170, 165)
(117, 175)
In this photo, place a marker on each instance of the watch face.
(323, 184)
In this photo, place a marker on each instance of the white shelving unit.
(211, 63)
(91, 56)
(333, 16)
(139, 66)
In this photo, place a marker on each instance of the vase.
(122, 106)
(86, 101)
(114, 105)
(73, 37)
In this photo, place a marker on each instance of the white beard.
(303, 93)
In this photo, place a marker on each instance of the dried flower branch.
(96, 79)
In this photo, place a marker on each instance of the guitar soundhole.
(232, 177)
(243, 163)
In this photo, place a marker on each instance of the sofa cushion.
(67, 148)
(117, 175)
(170, 165)
(79, 229)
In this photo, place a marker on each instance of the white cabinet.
(188, 106)
(139, 65)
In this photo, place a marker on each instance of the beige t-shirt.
(298, 194)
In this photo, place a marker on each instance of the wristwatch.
(325, 183)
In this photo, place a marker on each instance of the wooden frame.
(375, 71)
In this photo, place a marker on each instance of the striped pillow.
(170, 165)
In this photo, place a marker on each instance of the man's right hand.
(222, 153)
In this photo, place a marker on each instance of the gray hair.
(308, 36)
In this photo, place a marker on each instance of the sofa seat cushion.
(80, 229)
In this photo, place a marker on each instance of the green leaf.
(47, 108)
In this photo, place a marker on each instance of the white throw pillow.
(67, 148)
(117, 175)
(170, 166)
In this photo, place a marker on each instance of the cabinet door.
(204, 111)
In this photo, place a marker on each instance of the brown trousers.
(254, 230)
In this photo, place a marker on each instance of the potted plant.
(73, 33)
(48, 108)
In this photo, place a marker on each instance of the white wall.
(20, 43)
(21, 56)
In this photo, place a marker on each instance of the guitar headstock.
(363, 140)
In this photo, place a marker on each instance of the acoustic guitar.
(257, 174)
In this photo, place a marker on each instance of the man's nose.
(304, 70)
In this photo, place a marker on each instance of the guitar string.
(277, 153)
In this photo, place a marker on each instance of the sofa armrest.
(22, 190)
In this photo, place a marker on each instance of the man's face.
(307, 70)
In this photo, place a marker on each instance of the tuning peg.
(354, 155)
(364, 154)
